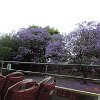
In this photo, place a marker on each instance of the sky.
(60, 14)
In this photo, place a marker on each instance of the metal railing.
(46, 66)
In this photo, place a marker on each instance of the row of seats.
(15, 87)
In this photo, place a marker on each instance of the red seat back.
(46, 89)
(10, 80)
(23, 90)
(2, 80)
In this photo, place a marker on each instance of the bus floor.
(70, 83)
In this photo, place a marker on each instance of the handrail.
(58, 64)
(56, 75)
(77, 91)
(46, 65)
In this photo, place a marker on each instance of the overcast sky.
(61, 14)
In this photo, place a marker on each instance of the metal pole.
(46, 68)
(2, 62)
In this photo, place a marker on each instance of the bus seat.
(46, 88)
(2, 79)
(10, 80)
(23, 90)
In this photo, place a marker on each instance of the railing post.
(2, 63)
(46, 69)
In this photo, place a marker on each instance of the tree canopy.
(84, 42)
(8, 47)
(38, 44)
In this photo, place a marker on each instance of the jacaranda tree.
(35, 42)
(56, 49)
(84, 43)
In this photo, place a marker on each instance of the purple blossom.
(85, 40)
(33, 34)
(37, 44)
(56, 50)
(57, 37)
(22, 51)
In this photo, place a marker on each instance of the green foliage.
(5, 53)
(7, 47)
(34, 26)
(52, 30)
